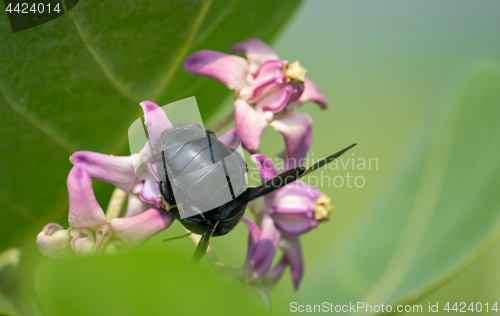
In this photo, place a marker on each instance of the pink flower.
(267, 91)
(262, 245)
(121, 171)
(296, 208)
(292, 256)
(89, 231)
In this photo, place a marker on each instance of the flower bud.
(54, 242)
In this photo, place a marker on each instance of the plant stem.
(217, 127)
(115, 204)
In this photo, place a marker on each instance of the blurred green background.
(384, 66)
(415, 84)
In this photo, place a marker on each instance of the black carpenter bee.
(194, 161)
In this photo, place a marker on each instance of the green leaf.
(437, 213)
(9, 262)
(144, 283)
(75, 83)
(6, 306)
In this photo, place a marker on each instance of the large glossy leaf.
(8, 262)
(6, 306)
(75, 83)
(434, 216)
(146, 283)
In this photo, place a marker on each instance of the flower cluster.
(89, 231)
(268, 90)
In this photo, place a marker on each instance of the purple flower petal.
(266, 167)
(253, 239)
(297, 92)
(264, 253)
(232, 131)
(150, 192)
(293, 254)
(228, 69)
(268, 74)
(311, 93)
(155, 120)
(135, 230)
(274, 97)
(297, 131)
(300, 188)
(250, 125)
(293, 205)
(294, 224)
(84, 210)
(269, 71)
(297, 197)
(230, 139)
(255, 50)
(273, 276)
(117, 170)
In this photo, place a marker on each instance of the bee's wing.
(289, 176)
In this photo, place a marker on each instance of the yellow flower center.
(164, 205)
(323, 208)
(295, 73)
